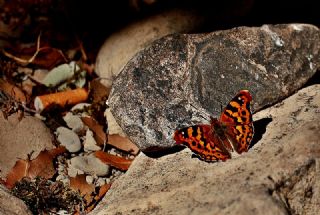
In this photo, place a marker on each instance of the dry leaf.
(123, 143)
(14, 91)
(102, 191)
(98, 91)
(113, 160)
(41, 166)
(99, 135)
(90, 193)
(80, 184)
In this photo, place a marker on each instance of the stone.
(11, 205)
(74, 122)
(20, 138)
(121, 46)
(69, 139)
(278, 175)
(90, 143)
(182, 79)
(90, 164)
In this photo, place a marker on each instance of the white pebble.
(74, 122)
(90, 164)
(89, 179)
(90, 143)
(69, 139)
(100, 182)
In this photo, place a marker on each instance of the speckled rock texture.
(182, 79)
(280, 174)
(11, 205)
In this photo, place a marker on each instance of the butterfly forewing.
(238, 119)
(199, 139)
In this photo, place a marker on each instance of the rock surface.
(11, 205)
(120, 47)
(20, 138)
(279, 175)
(182, 79)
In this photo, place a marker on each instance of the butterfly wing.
(238, 119)
(199, 139)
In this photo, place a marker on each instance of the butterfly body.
(232, 132)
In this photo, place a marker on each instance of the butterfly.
(233, 131)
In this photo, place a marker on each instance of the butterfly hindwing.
(199, 139)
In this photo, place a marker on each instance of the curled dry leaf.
(116, 140)
(123, 143)
(88, 191)
(99, 135)
(41, 166)
(102, 191)
(113, 160)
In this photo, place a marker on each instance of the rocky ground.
(161, 71)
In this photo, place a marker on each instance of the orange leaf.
(122, 143)
(41, 166)
(102, 191)
(113, 160)
(99, 135)
(80, 184)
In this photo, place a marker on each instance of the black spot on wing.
(184, 132)
(230, 107)
(194, 131)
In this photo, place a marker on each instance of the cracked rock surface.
(280, 174)
(182, 79)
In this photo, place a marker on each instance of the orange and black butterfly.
(233, 131)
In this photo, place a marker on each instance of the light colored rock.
(20, 138)
(113, 126)
(11, 205)
(89, 179)
(69, 139)
(74, 122)
(90, 143)
(279, 175)
(120, 47)
(89, 164)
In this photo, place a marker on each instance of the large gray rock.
(182, 79)
(279, 175)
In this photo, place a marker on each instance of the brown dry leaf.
(41, 166)
(113, 160)
(98, 91)
(102, 191)
(80, 184)
(49, 57)
(99, 135)
(14, 91)
(122, 143)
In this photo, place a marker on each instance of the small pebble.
(100, 182)
(89, 179)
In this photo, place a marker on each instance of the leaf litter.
(44, 183)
